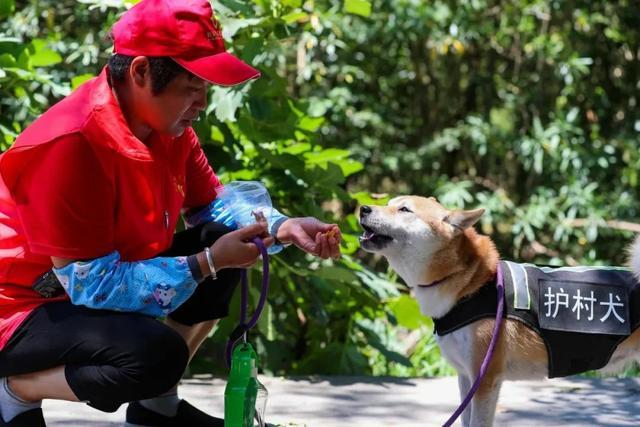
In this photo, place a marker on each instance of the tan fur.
(430, 244)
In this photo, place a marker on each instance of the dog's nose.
(365, 210)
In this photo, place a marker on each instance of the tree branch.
(613, 224)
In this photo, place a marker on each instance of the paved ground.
(373, 402)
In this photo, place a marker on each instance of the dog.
(448, 265)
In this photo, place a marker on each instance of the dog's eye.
(405, 209)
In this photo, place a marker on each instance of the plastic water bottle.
(245, 200)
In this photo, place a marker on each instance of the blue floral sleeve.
(155, 287)
(216, 211)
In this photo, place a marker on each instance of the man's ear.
(140, 71)
(461, 220)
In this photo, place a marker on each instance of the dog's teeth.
(367, 235)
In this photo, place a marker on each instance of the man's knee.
(160, 360)
(137, 365)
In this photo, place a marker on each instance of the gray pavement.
(383, 401)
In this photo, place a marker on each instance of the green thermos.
(245, 398)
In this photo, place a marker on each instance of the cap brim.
(220, 69)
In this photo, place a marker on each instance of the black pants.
(112, 357)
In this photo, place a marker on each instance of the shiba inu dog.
(450, 268)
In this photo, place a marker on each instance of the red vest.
(78, 184)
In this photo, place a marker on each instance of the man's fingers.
(268, 241)
(251, 249)
(304, 242)
(335, 251)
(338, 235)
(333, 234)
(252, 230)
(323, 246)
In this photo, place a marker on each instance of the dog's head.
(410, 229)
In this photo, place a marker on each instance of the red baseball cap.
(184, 30)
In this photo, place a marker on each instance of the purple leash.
(241, 330)
(490, 351)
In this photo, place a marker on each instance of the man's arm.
(216, 211)
(154, 287)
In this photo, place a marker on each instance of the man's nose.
(365, 210)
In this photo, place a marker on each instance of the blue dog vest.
(581, 313)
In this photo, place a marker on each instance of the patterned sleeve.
(155, 287)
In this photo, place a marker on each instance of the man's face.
(175, 108)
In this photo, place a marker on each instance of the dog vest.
(581, 313)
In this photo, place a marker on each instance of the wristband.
(212, 268)
(274, 230)
(194, 266)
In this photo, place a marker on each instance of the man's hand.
(312, 236)
(236, 250)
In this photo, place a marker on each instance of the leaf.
(329, 177)
(365, 198)
(358, 7)
(352, 360)
(7, 7)
(234, 5)
(336, 273)
(232, 26)
(310, 124)
(251, 49)
(265, 322)
(407, 312)
(350, 166)
(383, 288)
(7, 60)
(78, 80)
(292, 17)
(503, 119)
(297, 148)
(292, 3)
(225, 102)
(45, 58)
(374, 340)
(324, 156)
(285, 161)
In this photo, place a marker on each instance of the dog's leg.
(483, 405)
(464, 384)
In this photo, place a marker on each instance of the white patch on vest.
(634, 261)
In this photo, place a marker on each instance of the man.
(90, 194)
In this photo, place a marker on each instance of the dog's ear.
(461, 220)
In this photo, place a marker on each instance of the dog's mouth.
(372, 236)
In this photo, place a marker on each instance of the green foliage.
(527, 108)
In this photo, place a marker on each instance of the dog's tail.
(634, 257)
